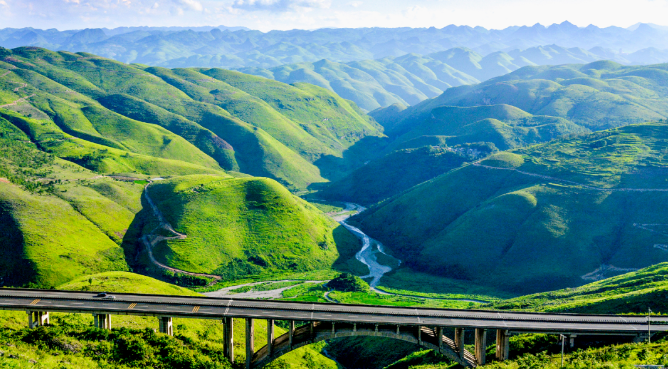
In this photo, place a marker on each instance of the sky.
(266, 15)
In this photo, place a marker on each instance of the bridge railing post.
(228, 333)
(250, 342)
(480, 345)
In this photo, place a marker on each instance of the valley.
(517, 185)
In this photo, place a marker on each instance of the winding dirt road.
(153, 239)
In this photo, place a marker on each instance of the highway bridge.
(423, 326)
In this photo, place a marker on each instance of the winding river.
(368, 254)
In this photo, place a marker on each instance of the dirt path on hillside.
(23, 99)
(6, 73)
(152, 239)
(268, 294)
(477, 164)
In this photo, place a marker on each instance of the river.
(368, 254)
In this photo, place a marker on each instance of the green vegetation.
(240, 227)
(489, 218)
(394, 173)
(347, 282)
(628, 293)
(114, 118)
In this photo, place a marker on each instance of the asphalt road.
(216, 308)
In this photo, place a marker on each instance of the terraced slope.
(538, 218)
(210, 118)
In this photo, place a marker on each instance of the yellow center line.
(35, 301)
(132, 306)
(195, 309)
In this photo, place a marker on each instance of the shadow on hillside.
(334, 167)
(15, 269)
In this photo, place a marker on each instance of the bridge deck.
(216, 308)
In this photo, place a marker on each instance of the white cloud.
(280, 5)
(192, 4)
(355, 4)
(3, 3)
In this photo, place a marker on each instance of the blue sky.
(266, 15)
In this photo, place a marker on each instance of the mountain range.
(411, 78)
(233, 48)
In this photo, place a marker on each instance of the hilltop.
(242, 227)
(538, 218)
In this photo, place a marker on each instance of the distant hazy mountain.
(238, 48)
(412, 78)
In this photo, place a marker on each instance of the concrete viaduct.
(422, 326)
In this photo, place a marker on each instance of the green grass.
(240, 227)
(630, 293)
(522, 233)
(89, 107)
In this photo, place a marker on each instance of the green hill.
(394, 173)
(594, 96)
(81, 134)
(118, 118)
(539, 218)
(632, 292)
(503, 125)
(245, 227)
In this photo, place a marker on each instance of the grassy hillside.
(246, 226)
(393, 173)
(632, 292)
(71, 342)
(118, 118)
(594, 96)
(411, 78)
(92, 214)
(504, 126)
(544, 217)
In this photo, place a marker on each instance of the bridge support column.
(228, 333)
(102, 321)
(270, 337)
(37, 318)
(439, 337)
(480, 345)
(311, 329)
(571, 340)
(419, 328)
(165, 325)
(502, 344)
(291, 331)
(459, 341)
(333, 328)
(250, 342)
